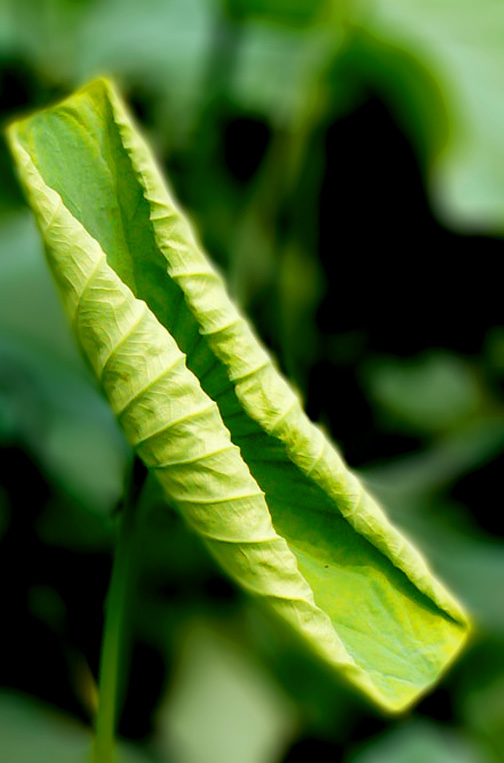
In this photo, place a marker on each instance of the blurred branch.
(120, 592)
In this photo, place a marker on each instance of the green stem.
(111, 669)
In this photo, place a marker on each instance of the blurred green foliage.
(303, 138)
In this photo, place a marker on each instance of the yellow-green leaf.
(206, 409)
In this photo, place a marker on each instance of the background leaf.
(458, 45)
(28, 731)
(250, 720)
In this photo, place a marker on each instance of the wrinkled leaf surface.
(206, 409)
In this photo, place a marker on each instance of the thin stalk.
(116, 610)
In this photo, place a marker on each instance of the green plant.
(206, 410)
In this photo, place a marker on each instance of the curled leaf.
(206, 409)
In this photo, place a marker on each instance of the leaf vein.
(166, 427)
